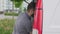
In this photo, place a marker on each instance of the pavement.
(2, 16)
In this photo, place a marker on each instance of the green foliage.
(6, 26)
(17, 3)
(17, 0)
(11, 14)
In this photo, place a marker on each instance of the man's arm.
(30, 32)
(28, 26)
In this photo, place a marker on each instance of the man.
(23, 24)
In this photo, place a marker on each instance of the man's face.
(32, 13)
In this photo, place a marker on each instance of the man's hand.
(30, 32)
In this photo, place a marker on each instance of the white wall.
(51, 17)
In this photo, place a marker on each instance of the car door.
(51, 16)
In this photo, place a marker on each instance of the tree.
(18, 3)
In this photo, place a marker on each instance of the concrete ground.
(2, 16)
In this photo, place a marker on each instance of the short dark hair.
(31, 6)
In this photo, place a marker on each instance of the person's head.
(31, 8)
